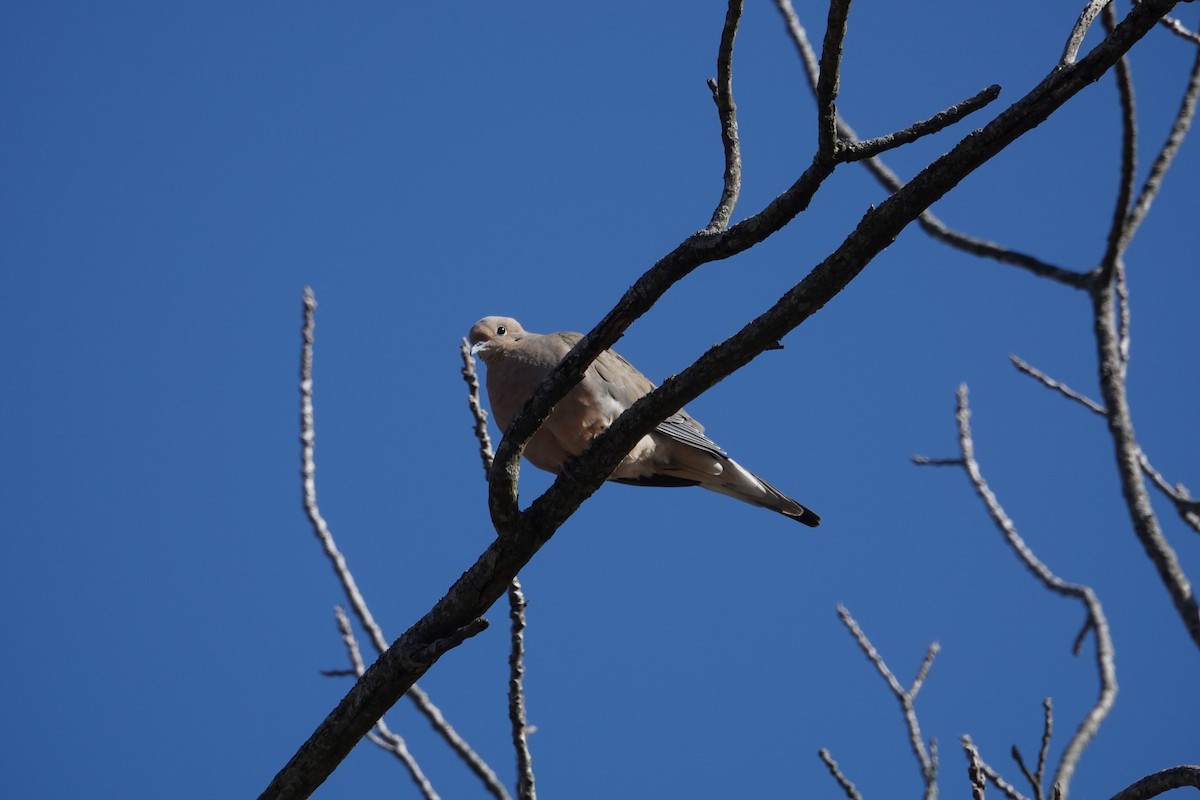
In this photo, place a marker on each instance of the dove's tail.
(694, 460)
(741, 484)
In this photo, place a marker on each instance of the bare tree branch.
(1159, 782)
(931, 224)
(522, 533)
(309, 476)
(926, 461)
(477, 412)
(518, 719)
(858, 151)
(1118, 228)
(975, 772)
(1047, 731)
(1061, 388)
(1188, 508)
(1177, 27)
(847, 785)
(1129, 461)
(876, 230)
(516, 694)
(1124, 317)
(722, 92)
(381, 735)
(1097, 621)
(808, 56)
(926, 759)
(1086, 18)
(342, 571)
(829, 77)
(1037, 778)
(1166, 155)
(1009, 790)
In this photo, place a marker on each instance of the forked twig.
(932, 225)
(926, 758)
(1096, 621)
(1187, 507)
(1037, 777)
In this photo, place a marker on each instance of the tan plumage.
(676, 453)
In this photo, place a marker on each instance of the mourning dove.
(676, 453)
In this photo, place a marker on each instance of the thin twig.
(309, 476)
(926, 461)
(1188, 508)
(1166, 155)
(1176, 27)
(998, 781)
(1118, 228)
(477, 412)
(974, 769)
(923, 670)
(1029, 774)
(808, 56)
(516, 693)
(722, 92)
(926, 759)
(1075, 40)
(858, 151)
(1037, 778)
(1044, 750)
(345, 577)
(829, 77)
(847, 785)
(382, 736)
(1061, 388)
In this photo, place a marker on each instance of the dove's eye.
(501, 330)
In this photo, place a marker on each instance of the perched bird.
(676, 453)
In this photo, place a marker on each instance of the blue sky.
(173, 176)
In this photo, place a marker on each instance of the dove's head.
(491, 336)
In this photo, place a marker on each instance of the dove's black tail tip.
(805, 516)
